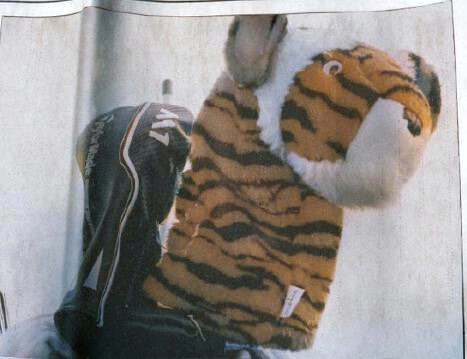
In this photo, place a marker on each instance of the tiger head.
(350, 119)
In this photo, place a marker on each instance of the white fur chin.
(381, 158)
(34, 338)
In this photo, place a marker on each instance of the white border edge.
(214, 8)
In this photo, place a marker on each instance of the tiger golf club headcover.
(293, 132)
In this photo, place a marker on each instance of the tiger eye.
(332, 68)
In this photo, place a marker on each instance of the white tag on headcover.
(291, 301)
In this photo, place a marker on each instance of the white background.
(397, 292)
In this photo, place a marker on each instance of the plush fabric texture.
(323, 111)
(249, 226)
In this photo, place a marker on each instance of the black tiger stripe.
(363, 58)
(292, 249)
(266, 274)
(215, 308)
(234, 186)
(279, 189)
(303, 187)
(230, 255)
(206, 320)
(287, 136)
(398, 74)
(212, 105)
(350, 53)
(235, 189)
(321, 58)
(402, 88)
(344, 52)
(225, 184)
(433, 91)
(184, 193)
(243, 111)
(361, 90)
(417, 61)
(156, 273)
(252, 132)
(317, 276)
(274, 257)
(209, 103)
(211, 275)
(261, 272)
(202, 163)
(211, 184)
(305, 193)
(337, 147)
(358, 47)
(434, 96)
(188, 180)
(227, 95)
(227, 150)
(246, 112)
(231, 232)
(238, 230)
(259, 142)
(351, 113)
(179, 232)
(319, 306)
(300, 320)
(290, 231)
(290, 110)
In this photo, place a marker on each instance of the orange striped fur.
(248, 227)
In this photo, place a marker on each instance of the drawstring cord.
(190, 316)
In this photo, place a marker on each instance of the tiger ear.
(425, 78)
(250, 45)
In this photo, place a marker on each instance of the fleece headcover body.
(259, 215)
